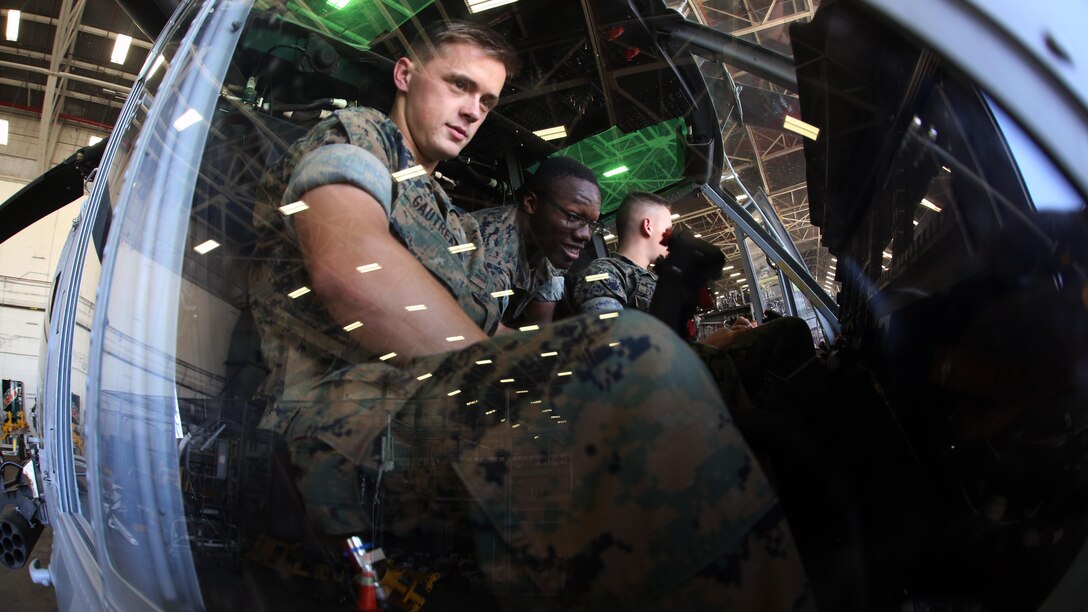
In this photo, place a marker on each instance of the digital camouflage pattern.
(628, 285)
(509, 265)
(608, 472)
(300, 340)
(588, 465)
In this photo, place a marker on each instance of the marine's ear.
(402, 73)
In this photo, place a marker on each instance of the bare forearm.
(340, 240)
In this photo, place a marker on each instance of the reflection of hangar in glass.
(857, 168)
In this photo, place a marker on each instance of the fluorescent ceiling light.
(294, 207)
(3, 131)
(800, 127)
(515, 426)
(567, 373)
(742, 197)
(597, 277)
(483, 362)
(409, 173)
(554, 133)
(729, 177)
(462, 248)
(454, 392)
(506, 380)
(424, 376)
(536, 401)
(93, 140)
(888, 254)
(354, 325)
(120, 49)
(12, 32)
(612, 344)
(416, 308)
(338, 4)
(727, 268)
(734, 274)
(187, 119)
(479, 6)
(549, 354)
(529, 328)
(698, 235)
(930, 205)
(503, 293)
(492, 411)
(370, 267)
(387, 356)
(206, 246)
(545, 410)
(609, 315)
(675, 216)
(472, 402)
(615, 171)
(914, 222)
(946, 169)
(155, 66)
(297, 293)
(455, 338)
(521, 391)
(609, 237)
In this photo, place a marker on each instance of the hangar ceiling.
(60, 69)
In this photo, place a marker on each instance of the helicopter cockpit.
(857, 171)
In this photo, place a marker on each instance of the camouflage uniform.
(560, 454)
(756, 370)
(628, 285)
(508, 263)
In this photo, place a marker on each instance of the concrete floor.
(18, 593)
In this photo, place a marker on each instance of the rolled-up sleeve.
(341, 163)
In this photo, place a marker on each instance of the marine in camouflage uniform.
(756, 370)
(509, 265)
(628, 285)
(560, 451)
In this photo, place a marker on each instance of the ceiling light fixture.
(370, 267)
(800, 127)
(353, 326)
(155, 66)
(455, 338)
(120, 49)
(503, 293)
(615, 171)
(930, 205)
(93, 140)
(387, 356)
(187, 119)
(338, 4)
(206, 246)
(609, 315)
(294, 207)
(483, 361)
(416, 307)
(553, 133)
(479, 6)
(597, 277)
(529, 328)
(12, 32)
(409, 173)
(297, 293)
(462, 248)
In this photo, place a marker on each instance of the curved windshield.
(372, 333)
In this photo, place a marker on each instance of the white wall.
(27, 262)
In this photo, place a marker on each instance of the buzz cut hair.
(636, 207)
(438, 34)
